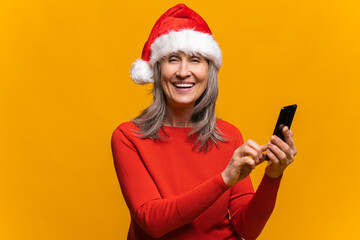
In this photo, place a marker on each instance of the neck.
(179, 117)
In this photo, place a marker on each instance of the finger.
(278, 153)
(254, 145)
(250, 149)
(288, 137)
(262, 159)
(245, 150)
(262, 155)
(250, 162)
(272, 158)
(259, 149)
(263, 147)
(284, 147)
(292, 135)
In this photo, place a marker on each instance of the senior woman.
(184, 174)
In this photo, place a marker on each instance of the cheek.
(164, 77)
(165, 80)
(203, 86)
(167, 72)
(165, 86)
(202, 74)
(203, 79)
(204, 83)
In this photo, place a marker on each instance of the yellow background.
(65, 86)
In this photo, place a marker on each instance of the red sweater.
(175, 192)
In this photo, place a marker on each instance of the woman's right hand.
(243, 161)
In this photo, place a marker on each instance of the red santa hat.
(178, 29)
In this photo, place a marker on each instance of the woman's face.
(183, 79)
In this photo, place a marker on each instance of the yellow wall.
(65, 86)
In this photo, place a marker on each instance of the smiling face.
(183, 79)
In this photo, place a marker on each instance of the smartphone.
(285, 119)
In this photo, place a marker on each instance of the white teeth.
(184, 85)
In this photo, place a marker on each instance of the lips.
(183, 85)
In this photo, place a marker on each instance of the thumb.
(262, 154)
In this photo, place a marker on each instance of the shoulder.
(126, 129)
(227, 127)
(229, 131)
(126, 136)
(127, 126)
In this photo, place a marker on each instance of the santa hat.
(178, 29)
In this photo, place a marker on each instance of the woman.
(184, 174)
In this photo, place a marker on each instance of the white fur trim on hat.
(187, 41)
(141, 72)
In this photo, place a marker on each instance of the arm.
(249, 211)
(155, 215)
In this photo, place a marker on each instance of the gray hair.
(203, 117)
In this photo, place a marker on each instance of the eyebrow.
(174, 54)
(177, 54)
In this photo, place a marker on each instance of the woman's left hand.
(280, 153)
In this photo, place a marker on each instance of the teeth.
(184, 85)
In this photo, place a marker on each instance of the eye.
(173, 59)
(195, 59)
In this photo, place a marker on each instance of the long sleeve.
(155, 215)
(250, 211)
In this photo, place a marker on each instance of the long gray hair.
(203, 117)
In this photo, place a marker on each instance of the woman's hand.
(280, 153)
(243, 161)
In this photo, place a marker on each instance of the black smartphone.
(285, 119)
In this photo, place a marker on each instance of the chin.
(183, 102)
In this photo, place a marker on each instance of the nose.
(184, 70)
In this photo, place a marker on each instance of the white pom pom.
(141, 72)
